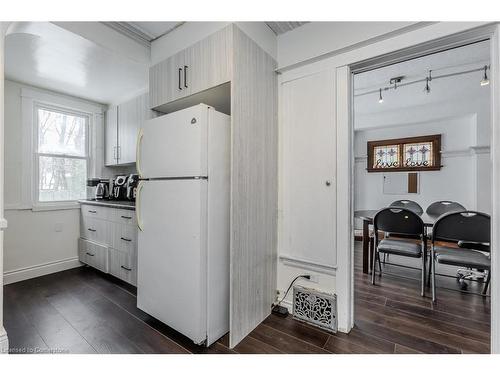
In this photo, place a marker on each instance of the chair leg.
(429, 272)
(422, 292)
(433, 270)
(374, 262)
(487, 283)
(379, 265)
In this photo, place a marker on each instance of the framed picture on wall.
(421, 153)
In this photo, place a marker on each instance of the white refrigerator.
(182, 208)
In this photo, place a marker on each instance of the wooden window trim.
(436, 151)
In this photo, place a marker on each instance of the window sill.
(56, 206)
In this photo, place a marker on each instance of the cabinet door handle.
(185, 76)
(126, 217)
(92, 211)
(126, 268)
(180, 72)
(126, 239)
(90, 254)
(91, 230)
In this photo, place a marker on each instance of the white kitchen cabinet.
(111, 136)
(122, 124)
(108, 240)
(123, 265)
(309, 169)
(204, 65)
(93, 254)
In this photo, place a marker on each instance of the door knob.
(328, 183)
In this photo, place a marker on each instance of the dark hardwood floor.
(84, 311)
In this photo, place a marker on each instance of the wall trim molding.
(4, 341)
(480, 149)
(26, 273)
(292, 261)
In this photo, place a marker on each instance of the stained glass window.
(418, 154)
(405, 154)
(386, 156)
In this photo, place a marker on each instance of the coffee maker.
(119, 190)
(132, 182)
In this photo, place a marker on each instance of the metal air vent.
(316, 308)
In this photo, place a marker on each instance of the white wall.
(455, 181)
(318, 38)
(36, 242)
(192, 32)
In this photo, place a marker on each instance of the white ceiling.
(45, 55)
(155, 29)
(443, 90)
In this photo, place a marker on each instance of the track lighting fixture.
(380, 99)
(485, 81)
(396, 82)
(427, 88)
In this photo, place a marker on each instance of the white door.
(171, 284)
(309, 169)
(174, 145)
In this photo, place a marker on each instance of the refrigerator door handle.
(138, 206)
(138, 152)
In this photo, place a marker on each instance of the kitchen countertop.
(126, 205)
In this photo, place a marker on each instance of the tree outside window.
(62, 154)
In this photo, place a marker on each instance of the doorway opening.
(421, 144)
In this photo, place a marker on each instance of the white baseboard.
(4, 342)
(26, 273)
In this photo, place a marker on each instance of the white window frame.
(37, 204)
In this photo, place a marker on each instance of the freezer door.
(172, 256)
(174, 145)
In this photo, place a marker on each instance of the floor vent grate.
(316, 308)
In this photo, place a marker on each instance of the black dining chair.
(442, 207)
(471, 231)
(404, 222)
(409, 205)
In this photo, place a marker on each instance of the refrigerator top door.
(174, 145)
(172, 254)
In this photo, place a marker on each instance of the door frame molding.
(4, 342)
(377, 57)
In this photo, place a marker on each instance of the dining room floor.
(85, 311)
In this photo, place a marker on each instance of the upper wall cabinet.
(203, 65)
(111, 136)
(122, 124)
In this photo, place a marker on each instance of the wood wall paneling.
(254, 186)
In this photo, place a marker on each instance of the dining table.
(367, 217)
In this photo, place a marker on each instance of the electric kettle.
(102, 191)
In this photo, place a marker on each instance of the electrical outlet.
(314, 279)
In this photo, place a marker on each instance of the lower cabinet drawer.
(123, 266)
(95, 230)
(93, 254)
(123, 237)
